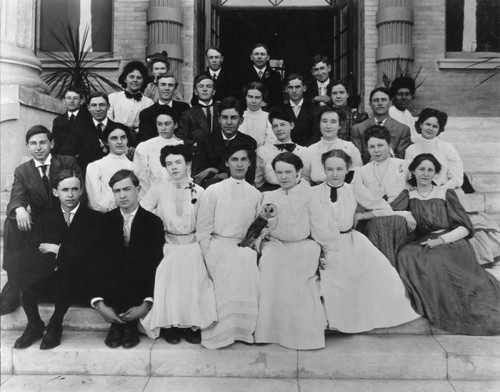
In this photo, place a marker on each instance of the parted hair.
(328, 109)
(337, 154)
(441, 117)
(37, 129)
(63, 175)
(121, 175)
(131, 67)
(379, 132)
(290, 158)
(416, 163)
(179, 149)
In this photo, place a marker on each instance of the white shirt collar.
(103, 122)
(215, 72)
(224, 137)
(73, 211)
(263, 70)
(46, 162)
(324, 84)
(162, 103)
(298, 104)
(203, 104)
(75, 113)
(131, 215)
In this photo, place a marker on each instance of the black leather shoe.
(193, 337)
(172, 335)
(130, 336)
(114, 336)
(32, 333)
(52, 338)
(10, 299)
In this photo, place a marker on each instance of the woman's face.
(159, 68)
(177, 167)
(335, 171)
(254, 100)
(134, 81)
(117, 142)
(165, 126)
(424, 173)
(286, 174)
(378, 149)
(329, 125)
(429, 128)
(339, 96)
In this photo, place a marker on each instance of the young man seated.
(30, 197)
(282, 123)
(122, 279)
(209, 164)
(65, 242)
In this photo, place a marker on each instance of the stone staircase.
(411, 357)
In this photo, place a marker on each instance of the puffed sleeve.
(457, 216)
(456, 167)
(323, 230)
(206, 216)
(150, 200)
(141, 166)
(260, 168)
(97, 191)
(401, 203)
(376, 205)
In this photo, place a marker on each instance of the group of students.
(180, 241)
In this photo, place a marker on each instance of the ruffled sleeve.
(365, 198)
(457, 215)
(401, 202)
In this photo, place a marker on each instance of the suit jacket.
(305, 132)
(64, 134)
(147, 120)
(210, 153)
(224, 85)
(193, 125)
(312, 90)
(400, 137)
(271, 79)
(123, 276)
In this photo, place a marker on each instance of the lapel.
(137, 224)
(200, 117)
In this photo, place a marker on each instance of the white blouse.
(96, 181)
(257, 125)
(125, 110)
(405, 118)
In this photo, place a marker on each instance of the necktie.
(126, 231)
(45, 179)
(285, 146)
(260, 74)
(322, 90)
(135, 96)
(226, 142)
(208, 113)
(214, 76)
(67, 218)
(71, 120)
(296, 110)
(100, 127)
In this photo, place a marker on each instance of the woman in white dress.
(290, 310)
(184, 298)
(361, 290)
(256, 121)
(330, 121)
(100, 172)
(227, 210)
(147, 164)
(430, 124)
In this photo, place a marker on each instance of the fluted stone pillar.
(18, 63)
(394, 25)
(165, 19)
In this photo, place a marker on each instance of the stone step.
(216, 384)
(485, 182)
(481, 149)
(457, 135)
(481, 165)
(352, 357)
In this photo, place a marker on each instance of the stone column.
(165, 21)
(394, 25)
(18, 64)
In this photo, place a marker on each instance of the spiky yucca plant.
(402, 71)
(77, 65)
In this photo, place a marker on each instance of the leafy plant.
(494, 72)
(400, 72)
(77, 64)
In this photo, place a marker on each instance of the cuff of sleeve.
(148, 299)
(94, 300)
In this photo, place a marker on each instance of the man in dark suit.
(167, 85)
(223, 78)
(122, 281)
(201, 120)
(260, 71)
(302, 112)
(66, 126)
(64, 242)
(400, 134)
(210, 159)
(30, 197)
(318, 89)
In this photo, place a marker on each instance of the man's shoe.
(10, 299)
(52, 338)
(130, 335)
(114, 337)
(172, 335)
(32, 333)
(193, 337)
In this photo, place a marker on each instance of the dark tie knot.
(286, 146)
(43, 168)
(136, 96)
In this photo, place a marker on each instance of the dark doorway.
(293, 35)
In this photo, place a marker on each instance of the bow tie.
(136, 96)
(285, 146)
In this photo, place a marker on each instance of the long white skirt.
(236, 281)
(361, 289)
(184, 295)
(290, 311)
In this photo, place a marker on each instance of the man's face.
(402, 99)
(205, 90)
(380, 103)
(229, 121)
(39, 146)
(68, 192)
(214, 59)
(259, 57)
(321, 71)
(166, 88)
(238, 164)
(282, 129)
(295, 89)
(126, 194)
(73, 101)
(98, 108)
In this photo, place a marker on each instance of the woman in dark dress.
(439, 269)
